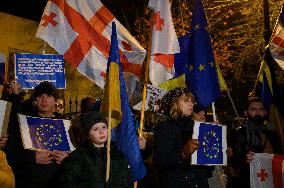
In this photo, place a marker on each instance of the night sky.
(31, 9)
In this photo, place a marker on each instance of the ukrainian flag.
(116, 100)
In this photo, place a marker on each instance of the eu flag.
(48, 134)
(201, 74)
(124, 134)
(45, 134)
(182, 57)
(213, 144)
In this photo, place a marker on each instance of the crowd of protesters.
(169, 146)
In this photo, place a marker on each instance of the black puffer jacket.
(86, 168)
(169, 138)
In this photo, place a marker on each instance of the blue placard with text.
(32, 69)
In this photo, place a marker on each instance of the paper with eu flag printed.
(45, 134)
(212, 144)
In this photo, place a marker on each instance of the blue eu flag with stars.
(48, 134)
(211, 148)
(201, 74)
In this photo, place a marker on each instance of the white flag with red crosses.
(81, 31)
(164, 42)
(266, 171)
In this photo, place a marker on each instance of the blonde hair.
(175, 111)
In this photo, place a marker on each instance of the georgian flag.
(277, 41)
(164, 42)
(266, 171)
(81, 31)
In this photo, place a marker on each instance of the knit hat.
(91, 118)
(44, 88)
(170, 98)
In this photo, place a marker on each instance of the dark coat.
(245, 139)
(86, 168)
(174, 172)
(27, 173)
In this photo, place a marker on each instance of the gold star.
(190, 67)
(211, 63)
(196, 27)
(206, 28)
(201, 67)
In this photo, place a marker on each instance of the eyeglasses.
(60, 106)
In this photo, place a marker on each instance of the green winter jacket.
(86, 168)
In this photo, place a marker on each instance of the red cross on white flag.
(277, 41)
(266, 171)
(81, 30)
(164, 42)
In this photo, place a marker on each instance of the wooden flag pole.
(214, 112)
(108, 142)
(233, 104)
(146, 77)
(252, 93)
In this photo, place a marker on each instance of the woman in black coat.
(173, 143)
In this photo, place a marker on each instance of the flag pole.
(225, 87)
(108, 142)
(232, 102)
(146, 77)
(252, 93)
(214, 112)
(267, 37)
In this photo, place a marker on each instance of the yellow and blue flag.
(267, 81)
(123, 132)
(268, 92)
(201, 73)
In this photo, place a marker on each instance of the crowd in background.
(166, 148)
